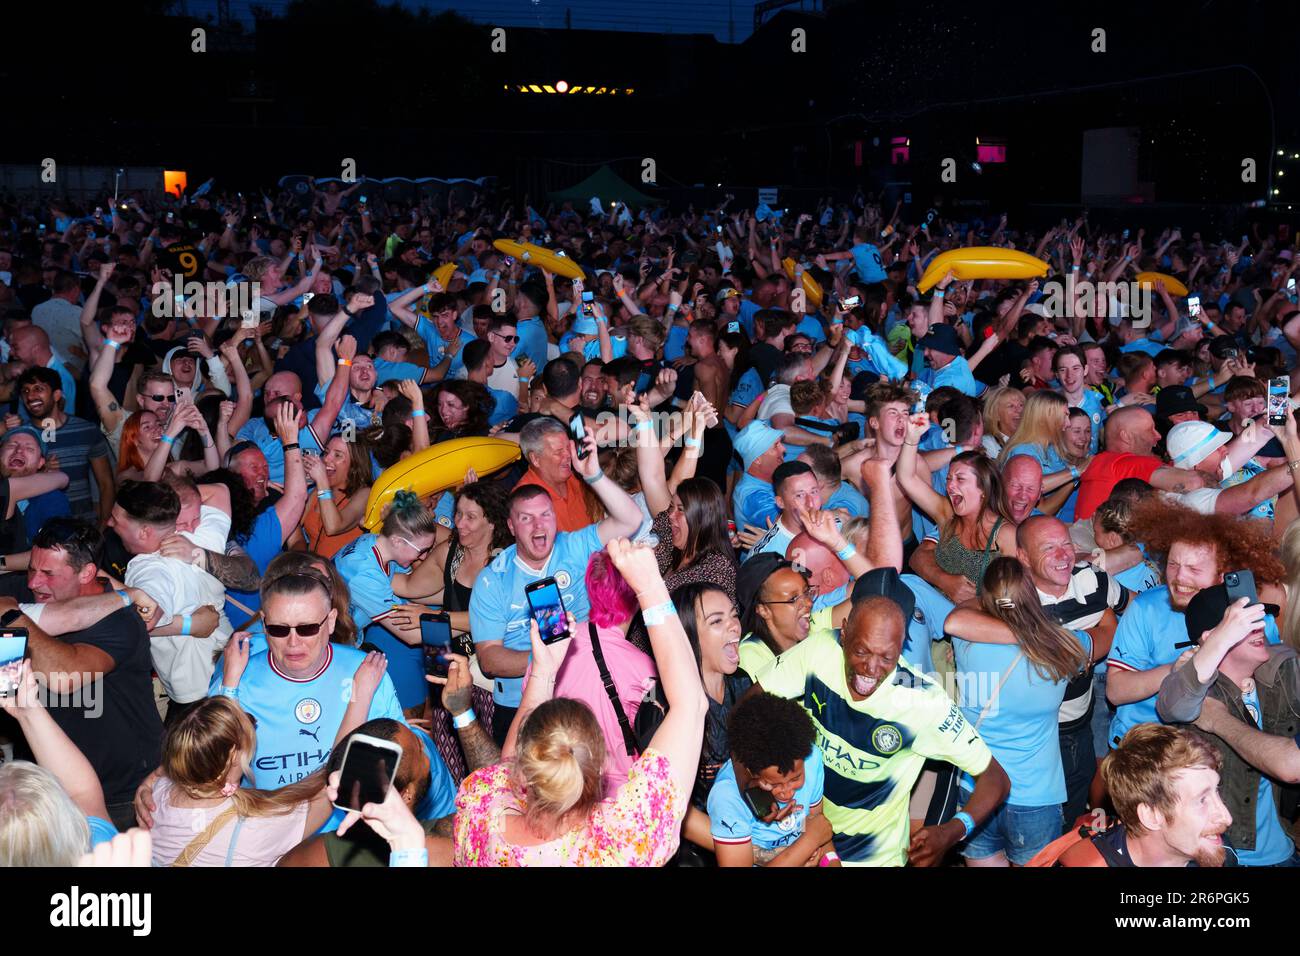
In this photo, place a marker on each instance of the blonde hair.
(1142, 768)
(201, 749)
(994, 399)
(255, 269)
(1040, 424)
(1010, 596)
(39, 823)
(559, 761)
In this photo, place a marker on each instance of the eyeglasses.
(420, 552)
(506, 338)
(303, 630)
(805, 596)
(163, 398)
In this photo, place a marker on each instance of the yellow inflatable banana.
(442, 275)
(812, 289)
(1172, 285)
(982, 262)
(540, 256)
(435, 469)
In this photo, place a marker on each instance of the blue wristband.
(231, 692)
(461, 721)
(419, 858)
(126, 598)
(325, 495)
(186, 621)
(847, 553)
(167, 440)
(419, 413)
(659, 613)
(966, 820)
(691, 442)
(592, 479)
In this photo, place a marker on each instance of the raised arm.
(293, 502)
(914, 486)
(623, 516)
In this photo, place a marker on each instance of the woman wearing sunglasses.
(776, 609)
(303, 692)
(377, 568)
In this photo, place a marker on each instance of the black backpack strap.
(629, 739)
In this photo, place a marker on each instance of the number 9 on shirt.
(548, 610)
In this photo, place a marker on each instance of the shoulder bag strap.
(998, 690)
(195, 847)
(629, 739)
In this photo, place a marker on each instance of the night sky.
(651, 16)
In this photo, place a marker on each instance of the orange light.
(175, 181)
(561, 87)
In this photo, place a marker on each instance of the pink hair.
(612, 600)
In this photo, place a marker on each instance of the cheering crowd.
(856, 569)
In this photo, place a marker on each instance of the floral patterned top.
(640, 826)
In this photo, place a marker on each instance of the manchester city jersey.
(498, 610)
(297, 720)
(873, 750)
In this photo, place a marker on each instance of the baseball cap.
(754, 439)
(1207, 607)
(1173, 399)
(941, 338)
(749, 581)
(584, 325)
(24, 430)
(886, 582)
(727, 293)
(1189, 443)
(861, 383)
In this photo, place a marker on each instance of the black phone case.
(1244, 588)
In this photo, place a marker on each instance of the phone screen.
(852, 302)
(1193, 305)
(1290, 286)
(578, 430)
(435, 629)
(13, 648)
(1279, 399)
(368, 772)
(548, 610)
(645, 381)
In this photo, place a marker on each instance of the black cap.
(885, 582)
(1173, 399)
(861, 382)
(749, 581)
(1222, 345)
(1206, 609)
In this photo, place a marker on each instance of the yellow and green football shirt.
(755, 655)
(874, 749)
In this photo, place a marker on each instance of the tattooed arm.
(236, 571)
(480, 749)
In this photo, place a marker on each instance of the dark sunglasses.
(506, 338)
(163, 398)
(304, 630)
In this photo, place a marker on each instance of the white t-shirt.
(777, 402)
(505, 377)
(1202, 500)
(184, 663)
(212, 531)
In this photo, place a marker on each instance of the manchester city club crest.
(562, 579)
(887, 739)
(307, 711)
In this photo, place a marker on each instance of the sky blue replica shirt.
(732, 821)
(297, 720)
(498, 609)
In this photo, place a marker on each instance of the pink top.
(261, 841)
(578, 678)
(641, 826)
